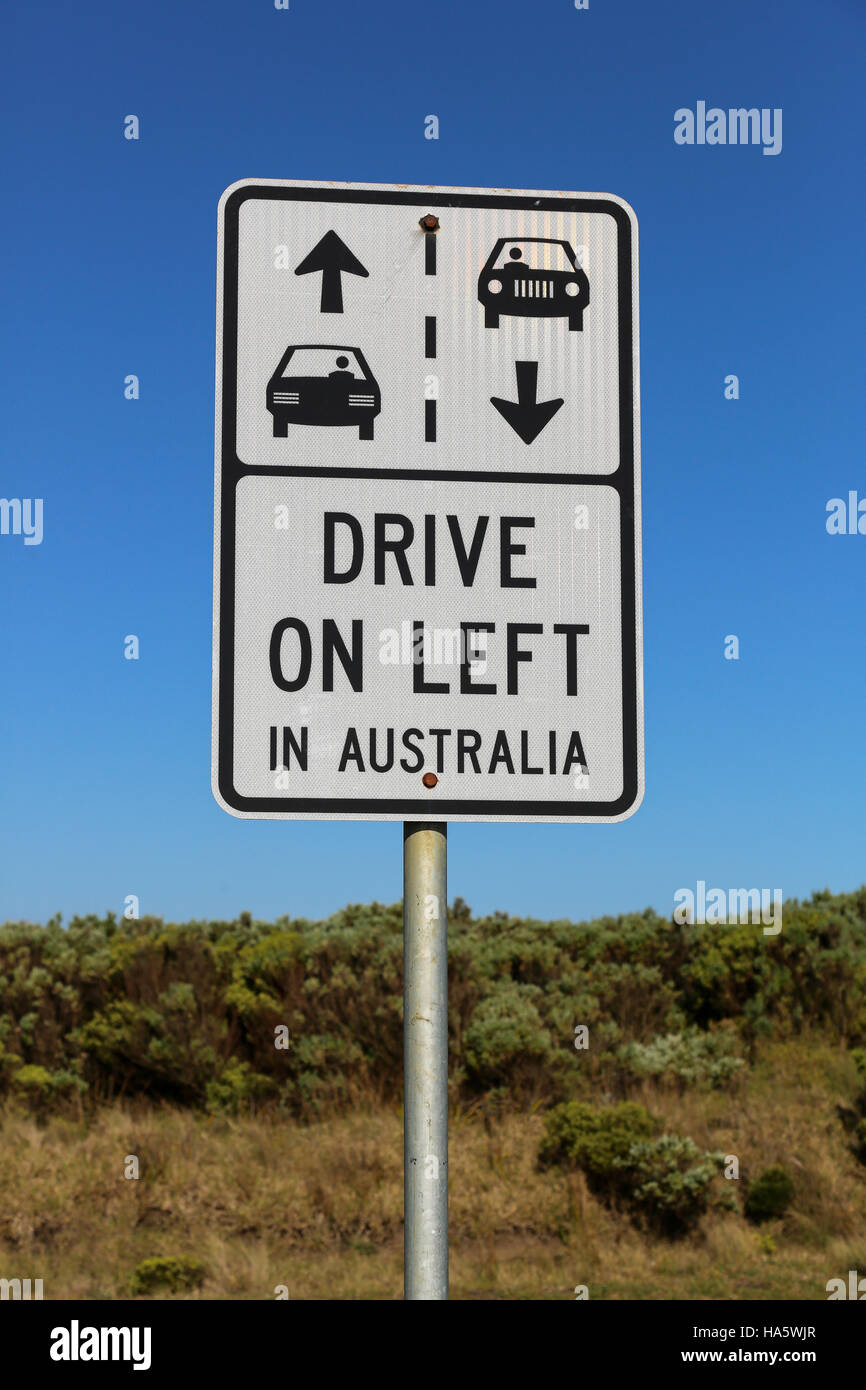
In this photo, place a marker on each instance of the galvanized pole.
(425, 1062)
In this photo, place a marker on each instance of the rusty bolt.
(429, 222)
(430, 779)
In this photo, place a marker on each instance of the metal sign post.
(425, 1061)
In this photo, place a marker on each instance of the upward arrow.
(331, 256)
(526, 416)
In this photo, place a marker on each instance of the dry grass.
(318, 1208)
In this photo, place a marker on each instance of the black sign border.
(232, 470)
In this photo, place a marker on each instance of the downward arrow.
(331, 256)
(526, 416)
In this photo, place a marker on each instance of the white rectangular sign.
(427, 553)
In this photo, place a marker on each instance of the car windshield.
(319, 361)
(537, 255)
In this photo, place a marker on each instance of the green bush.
(670, 1179)
(33, 1086)
(595, 1140)
(168, 1272)
(664, 1180)
(691, 1057)
(186, 1012)
(236, 1087)
(506, 1028)
(858, 1057)
(770, 1194)
(39, 1089)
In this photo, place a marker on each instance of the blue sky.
(750, 264)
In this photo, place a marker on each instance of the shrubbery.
(187, 1013)
(691, 1058)
(670, 1180)
(770, 1194)
(41, 1089)
(161, 1272)
(598, 1141)
(665, 1178)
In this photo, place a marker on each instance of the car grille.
(362, 400)
(286, 398)
(534, 289)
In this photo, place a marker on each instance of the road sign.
(427, 554)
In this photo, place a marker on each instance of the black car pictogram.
(322, 385)
(533, 277)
